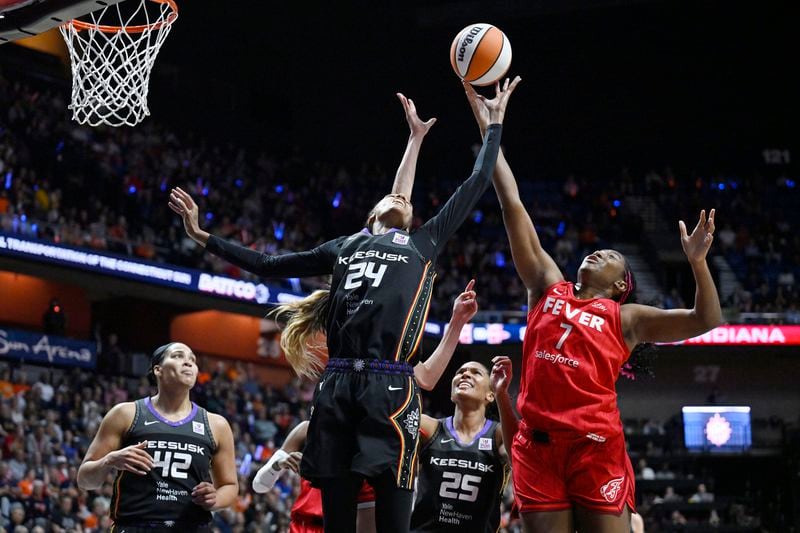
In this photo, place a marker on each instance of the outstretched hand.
(479, 108)
(696, 245)
(466, 305)
(181, 202)
(417, 126)
(491, 111)
(501, 374)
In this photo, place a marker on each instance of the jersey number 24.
(364, 270)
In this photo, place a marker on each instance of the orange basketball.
(480, 54)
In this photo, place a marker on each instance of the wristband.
(267, 475)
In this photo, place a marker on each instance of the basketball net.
(112, 54)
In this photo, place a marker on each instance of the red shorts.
(569, 471)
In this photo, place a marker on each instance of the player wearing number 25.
(569, 461)
(463, 465)
(173, 461)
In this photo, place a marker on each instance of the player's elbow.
(425, 382)
(85, 482)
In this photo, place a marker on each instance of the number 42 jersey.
(460, 484)
(181, 452)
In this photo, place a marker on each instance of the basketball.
(480, 54)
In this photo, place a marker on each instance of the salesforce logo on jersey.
(39, 348)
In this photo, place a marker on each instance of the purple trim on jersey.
(158, 415)
(449, 423)
(368, 232)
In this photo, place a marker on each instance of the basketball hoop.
(112, 55)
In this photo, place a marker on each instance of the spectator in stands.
(670, 496)
(664, 472)
(645, 472)
(702, 495)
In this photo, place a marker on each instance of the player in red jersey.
(570, 467)
(306, 514)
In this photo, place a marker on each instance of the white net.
(112, 53)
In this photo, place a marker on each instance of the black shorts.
(160, 527)
(365, 420)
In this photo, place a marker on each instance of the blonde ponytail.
(305, 320)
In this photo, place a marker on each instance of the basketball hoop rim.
(80, 25)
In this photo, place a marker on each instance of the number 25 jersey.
(571, 357)
(181, 452)
(460, 484)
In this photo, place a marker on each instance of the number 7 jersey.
(181, 452)
(571, 357)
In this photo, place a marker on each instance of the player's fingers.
(702, 221)
(143, 458)
(430, 122)
(682, 228)
(470, 285)
(514, 84)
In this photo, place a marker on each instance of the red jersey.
(571, 358)
(309, 502)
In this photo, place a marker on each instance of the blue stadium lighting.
(499, 259)
(279, 229)
(35, 188)
(35, 228)
(239, 183)
(163, 185)
(477, 216)
(132, 189)
(295, 282)
(789, 183)
(562, 227)
(209, 216)
(59, 147)
(24, 218)
(205, 191)
(9, 178)
(616, 203)
(721, 186)
(279, 189)
(337, 200)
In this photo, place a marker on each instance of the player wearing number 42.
(173, 461)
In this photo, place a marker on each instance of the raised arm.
(501, 379)
(535, 266)
(429, 372)
(442, 226)
(316, 262)
(642, 323)
(404, 179)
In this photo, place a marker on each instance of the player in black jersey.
(173, 461)
(365, 418)
(463, 465)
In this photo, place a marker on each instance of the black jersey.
(382, 284)
(181, 454)
(460, 484)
